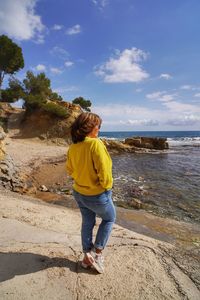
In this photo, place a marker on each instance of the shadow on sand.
(12, 264)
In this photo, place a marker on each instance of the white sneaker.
(87, 261)
(98, 263)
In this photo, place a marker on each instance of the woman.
(90, 165)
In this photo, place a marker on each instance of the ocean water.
(167, 183)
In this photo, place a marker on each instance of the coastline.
(44, 164)
(179, 254)
(141, 221)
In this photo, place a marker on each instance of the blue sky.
(138, 61)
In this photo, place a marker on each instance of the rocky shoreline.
(32, 162)
(31, 176)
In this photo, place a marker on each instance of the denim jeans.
(91, 206)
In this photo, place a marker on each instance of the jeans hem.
(98, 247)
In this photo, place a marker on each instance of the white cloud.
(167, 97)
(59, 52)
(173, 108)
(197, 95)
(155, 95)
(186, 87)
(126, 112)
(182, 108)
(57, 27)
(141, 122)
(177, 113)
(124, 67)
(132, 117)
(56, 70)
(165, 76)
(100, 3)
(139, 90)
(190, 87)
(68, 63)
(40, 67)
(127, 116)
(65, 89)
(19, 20)
(161, 96)
(74, 30)
(188, 120)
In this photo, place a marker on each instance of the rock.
(2, 144)
(2, 134)
(65, 190)
(148, 142)
(135, 145)
(135, 203)
(43, 188)
(136, 142)
(117, 146)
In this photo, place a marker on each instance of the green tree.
(11, 58)
(36, 93)
(14, 92)
(85, 104)
(36, 90)
(55, 97)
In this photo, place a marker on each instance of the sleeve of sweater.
(68, 164)
(102, 164)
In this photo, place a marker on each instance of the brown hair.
(83, 125)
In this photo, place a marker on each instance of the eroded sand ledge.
(40, 253)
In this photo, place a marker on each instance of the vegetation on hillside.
(35, 90)
(85, 104)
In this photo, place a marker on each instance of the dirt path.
(29, 153)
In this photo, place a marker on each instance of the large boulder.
(115, 146)
(148, 142)
(135, 145)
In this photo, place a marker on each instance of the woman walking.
(90, 165)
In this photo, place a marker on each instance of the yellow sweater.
(90, 165)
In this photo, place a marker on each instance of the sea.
(166, 182)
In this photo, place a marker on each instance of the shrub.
(55, 109)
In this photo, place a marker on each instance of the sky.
(138, 61)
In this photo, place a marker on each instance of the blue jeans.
(90, 206)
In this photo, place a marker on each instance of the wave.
(184, 141)
(173, 141)
(112, 138)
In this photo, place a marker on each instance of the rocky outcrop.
(9, 177)
(148, 142)
(2, 144)
(115, 146)
(44, 125)
(138, 144)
